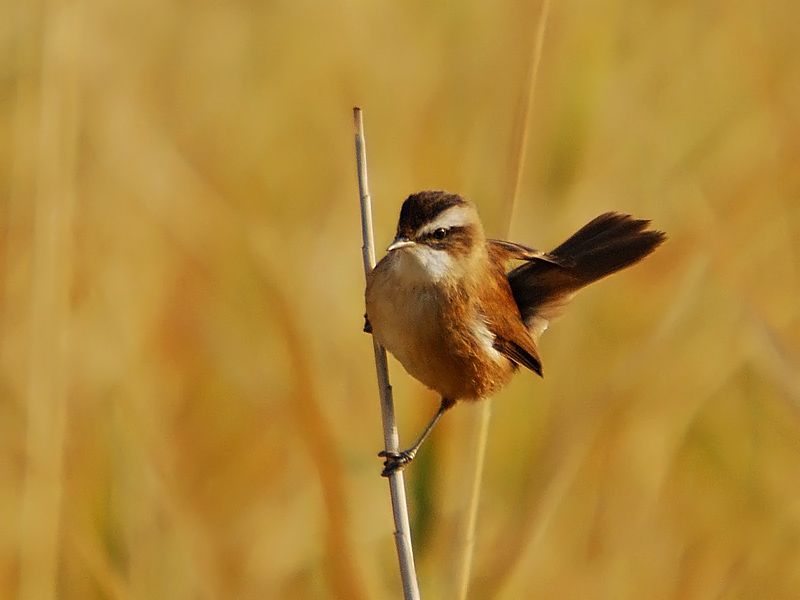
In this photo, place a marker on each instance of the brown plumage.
(441, 301)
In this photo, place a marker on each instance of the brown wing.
(511, 337)
(554, 272)
(517, 354)
(502, 250)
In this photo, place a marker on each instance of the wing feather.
(517, 354)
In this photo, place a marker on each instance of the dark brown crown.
(421, 208)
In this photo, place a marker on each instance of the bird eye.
(440, 234)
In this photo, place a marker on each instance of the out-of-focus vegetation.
(187, 402)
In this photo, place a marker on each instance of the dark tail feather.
(607, 244)
(603, 246)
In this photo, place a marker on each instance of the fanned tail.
(607, 244)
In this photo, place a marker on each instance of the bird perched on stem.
(443, 303)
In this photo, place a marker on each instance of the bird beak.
(400, 243)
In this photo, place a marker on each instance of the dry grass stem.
(402, 534)
(524, 116)
(48, 371)
(469, 520)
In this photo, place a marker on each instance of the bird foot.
(396, 461)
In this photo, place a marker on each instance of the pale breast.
(413, 319)
(405, 320)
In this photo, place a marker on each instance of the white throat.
(422, 264)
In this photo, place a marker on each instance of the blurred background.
(188, 405)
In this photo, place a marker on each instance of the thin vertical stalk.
(478, 457)
(402, 533)
(521, 141)
(41, 518)
(470, 518)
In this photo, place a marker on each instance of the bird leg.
(399, 460)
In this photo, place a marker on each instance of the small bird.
(444, 304)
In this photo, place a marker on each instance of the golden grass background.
(187, 403)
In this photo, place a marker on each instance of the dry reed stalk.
(402, 534)
(478, 457)
(521, 148)
(470, 518)
(48, 371)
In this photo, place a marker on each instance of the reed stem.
(470, 519)
(402, 533)
(41, 520)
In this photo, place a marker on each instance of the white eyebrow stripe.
(455, 216)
